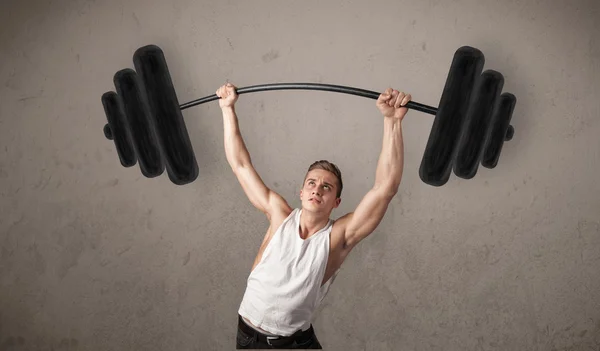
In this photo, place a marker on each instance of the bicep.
(263, 198)
(367, 216)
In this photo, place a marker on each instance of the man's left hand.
(390, 103)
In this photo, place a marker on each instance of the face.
(319, 191)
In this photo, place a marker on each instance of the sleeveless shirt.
(284, 289)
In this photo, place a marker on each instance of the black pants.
(249, 338)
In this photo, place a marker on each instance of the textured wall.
(94, 256)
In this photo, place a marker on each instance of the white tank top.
(284, 289)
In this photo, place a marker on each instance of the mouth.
(314, 200)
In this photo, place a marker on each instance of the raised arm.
(263, 198)
(359, 224)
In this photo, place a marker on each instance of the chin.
(309, 207)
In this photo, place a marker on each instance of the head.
(323, 183)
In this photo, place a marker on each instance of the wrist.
(392, 120)
(228, 109)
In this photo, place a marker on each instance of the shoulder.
(342, 222)
(278, 207)
(280, 214)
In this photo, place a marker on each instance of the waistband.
(279, 340)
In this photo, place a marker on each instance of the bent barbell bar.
(310, 86)
(323, 87)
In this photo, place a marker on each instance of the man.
(304, 249)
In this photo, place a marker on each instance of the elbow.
(239, 165)
(237, 161)
(388, 189)
(235, 165)
(391, 192)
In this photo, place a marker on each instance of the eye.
(327, 186)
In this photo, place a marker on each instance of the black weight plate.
(151, 65)
(498, 129)
(140, 124)
(436, 164)
(475, 127)
(117, 125)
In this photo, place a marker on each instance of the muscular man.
(303, 248)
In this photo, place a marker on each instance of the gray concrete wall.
(96, 257)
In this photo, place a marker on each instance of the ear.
(338, 201)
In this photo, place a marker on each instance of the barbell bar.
(310, 86)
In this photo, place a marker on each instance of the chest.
(336, 256)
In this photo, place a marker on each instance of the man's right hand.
(228, 95)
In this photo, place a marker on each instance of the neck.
(311, 223)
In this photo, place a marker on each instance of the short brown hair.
(328, 166)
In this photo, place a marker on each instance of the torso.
(337, 250)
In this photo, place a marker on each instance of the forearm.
(391, 161)
(235, 149)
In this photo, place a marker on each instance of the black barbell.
(146, 124)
